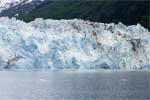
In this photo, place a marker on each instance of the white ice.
(72, 44)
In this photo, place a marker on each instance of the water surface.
(57, 85)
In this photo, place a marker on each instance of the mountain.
(72, 44)
(6, 4)
(18, 7)
(106, 11)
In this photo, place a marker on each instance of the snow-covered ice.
(72, 44)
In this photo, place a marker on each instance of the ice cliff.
(72, 44)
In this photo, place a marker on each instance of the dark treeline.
(107, 11)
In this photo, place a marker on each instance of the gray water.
(57, 85)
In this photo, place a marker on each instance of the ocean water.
(73, 85)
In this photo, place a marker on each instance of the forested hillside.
(128, 12)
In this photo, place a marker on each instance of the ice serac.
(72, 44)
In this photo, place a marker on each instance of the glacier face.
(72, 44)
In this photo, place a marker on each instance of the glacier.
(72, 44)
